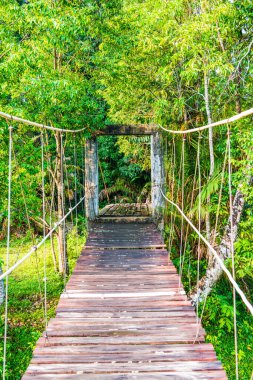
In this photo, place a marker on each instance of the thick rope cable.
(232, 249)
(220, 261)
(34, 248)
(216, 124)
(43, 126)
(44, 232)
(7, 253)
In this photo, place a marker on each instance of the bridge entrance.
(157, 175)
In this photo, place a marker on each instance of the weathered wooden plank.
(124, 314)
(130, 367)
(79, 357)
(119, 340)
(126, 210)
(101, 315)
(207, 375)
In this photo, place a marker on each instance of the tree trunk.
(214, 271)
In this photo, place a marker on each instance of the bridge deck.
(126, 209)
(124, 315)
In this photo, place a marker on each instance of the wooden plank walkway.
(124, 315)
(126, 209)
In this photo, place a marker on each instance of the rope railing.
(35, 124)
(34, 248)
(51, 128)
(229, 275)
(215, 124)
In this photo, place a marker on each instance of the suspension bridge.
(123, 313)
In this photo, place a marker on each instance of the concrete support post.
(157, 174)
(91, 178)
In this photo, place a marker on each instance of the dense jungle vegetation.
(87, 63)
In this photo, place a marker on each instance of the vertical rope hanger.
(173, 154)
(30, 229)
(199, 224)
(44, 231)
(220, 192)
(232, 247)
(7, 251)
(62, 205)
(187, 226)
(67, 181)
(52, 211)
(83, 174)
(177, 191)
(182, 207)
(75, 174)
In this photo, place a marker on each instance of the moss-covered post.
(91, 178)
(157, 174)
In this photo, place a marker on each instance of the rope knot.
(35, 247)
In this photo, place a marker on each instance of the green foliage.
(218, 322)
(124, 169)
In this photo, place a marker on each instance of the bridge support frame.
(157, 167)
(91, 178)
(157, 174)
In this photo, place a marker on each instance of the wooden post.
(91, 178)
(157, 174)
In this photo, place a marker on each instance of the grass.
(26, 312)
